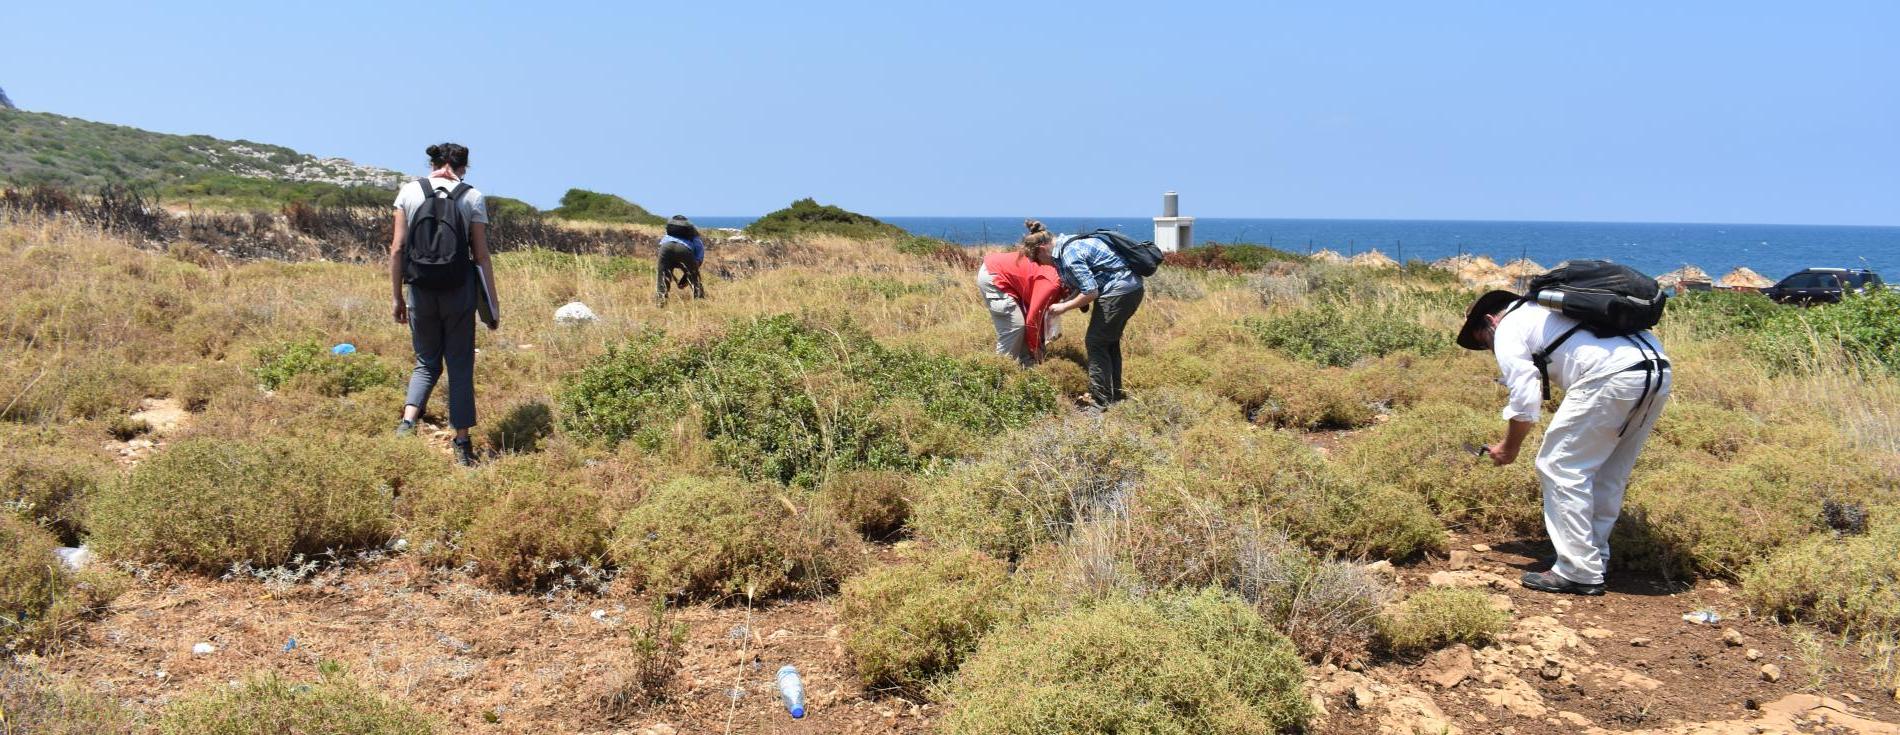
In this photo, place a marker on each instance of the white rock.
(203, 649)
(75, 558)
(598, 615)
(575, 312)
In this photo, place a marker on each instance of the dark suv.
(1823, 285)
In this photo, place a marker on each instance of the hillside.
(43, 148)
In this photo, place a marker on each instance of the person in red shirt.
(1018, 286)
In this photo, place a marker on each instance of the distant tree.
(581, 204)
(806, 217)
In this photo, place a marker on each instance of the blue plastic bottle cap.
(798, 713)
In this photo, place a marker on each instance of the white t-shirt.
(1581, 359)
(409, 199)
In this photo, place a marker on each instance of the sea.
(1655, 248)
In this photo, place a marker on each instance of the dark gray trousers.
(1104, 342)
(442, 329)
(674, 256)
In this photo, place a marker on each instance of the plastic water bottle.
(792, 690)
(343, 349)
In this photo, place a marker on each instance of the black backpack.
(436, 250)
(1142, 257)
(1608, 299)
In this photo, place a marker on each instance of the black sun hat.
(1475, 321)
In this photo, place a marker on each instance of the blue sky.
(1681, 111)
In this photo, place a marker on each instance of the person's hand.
(1500, 457)
(494, 325)
(401, 312)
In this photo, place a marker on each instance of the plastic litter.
(792, 690)
(343, 349)
(598, 615)
(74, 557)
(574, 312)
(290, 645)
(203, 649)
(1704, 616)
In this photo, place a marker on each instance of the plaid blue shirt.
(1089, 265)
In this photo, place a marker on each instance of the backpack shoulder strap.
(461, 187)
(428, 192)
(1541, 358)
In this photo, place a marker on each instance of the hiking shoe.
(405, 427)
(1551, 582)
(465, 452)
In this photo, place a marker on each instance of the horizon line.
(1895, 226)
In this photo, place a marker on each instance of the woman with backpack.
(439, 251)
(1019, 288)
(681, 250)
(1098, 275)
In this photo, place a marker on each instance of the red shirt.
(1033, 285)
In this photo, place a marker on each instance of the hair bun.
(434, 151)
(1032, 226)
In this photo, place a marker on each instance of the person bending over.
(1098, 276)
(681, 250)
(1019, 286)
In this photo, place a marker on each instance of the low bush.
(40, 599)
(1422, 451)
(1343, 333)
(1275, 392)
(1717, 314)
(1438, 617)
(875, 502)
(268, 703)
(909, 623)
(1864, 329)
(1034, 485)
(1172, 665)
(808, 217)
(1847, 584)
(523, 428)
(1173, 284)
(536, 526)
(791, 399)
(717, 539)
(308, 364)
(593, 206)
(207, 504)
(49, 486)
(1236, 257)
(37, 703)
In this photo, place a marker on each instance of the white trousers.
(1584, 467)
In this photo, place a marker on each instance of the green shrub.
(1274, 392)
(1717, 314)
(1034, 485)
(908, 624)
(1173, 665)
(308, 364)
(1863, 329)
(593, 206)
(207, 504)
(268, 704)
(875, 502)
(1847, 584)
(698, 539)
(808, 217)
(535, 527)
(791, 399)
(40, 599)
(1438, 617)
(523, 428)
(49, 486)
(1342, 334)
(1422, 451)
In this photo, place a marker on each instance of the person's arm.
(1505, 452)
(478, 246)
(1085, 286)
(1042, 291)
(401, 311)
(699, 251)
(1511, 342)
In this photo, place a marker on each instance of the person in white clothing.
(1614, 388)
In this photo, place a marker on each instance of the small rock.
(1575, 719)
(1359, 698)
(1552, 670)
(574, 312)
(1770, 673)
(1481, 548)
(658, 729)
(1640, 642)
(1383, 570)
(779, 635)
(1460, 559)
(203, 649)
(1502, 603)
(1355, 666)
(1732, 637)
(1449, 667)
(1596, 634)
(1849, 696)
(598, 615)
(1753, 654)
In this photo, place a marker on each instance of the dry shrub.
(1846, 584)
(536, 526)
(523, 428)
(1277, 392)
(875, 502)
(1033, 485)
(1718, 432)
(1438, 617)
(268, 703)
(1422, 451)
(1069, 378)
(658, 644)
(36, 702)
(207, 504)
(714, 538)
(1169, 411)
(909, 623)
(49, 486)
(1175, 664)
(40, 599)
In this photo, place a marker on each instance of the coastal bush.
(268, 703)
(1171, 665)
(1848, 584)
(718, 538)
(1341, 334)
(1173, 284)
(1234, 258)
(207, 504)
(39, 703)
(593, 206)
(49, 486)
(1438, 617)
(790, 399)
(535, 526)
(1274, 392)
(907, 624)
(1863, 329)
(808, 217)
(40, 599)
(1422, 451)
(875, 502)
(523, 428)
(1034, 485)
(308, 364)
(1717, 314)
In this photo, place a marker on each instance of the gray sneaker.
(1552, 582)
(465, 452)
(405, 427)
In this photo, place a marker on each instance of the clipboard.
(485, 305)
